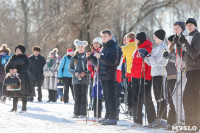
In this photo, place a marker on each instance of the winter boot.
(109, 122)
(75, 116)
(15, 102)
(136, 125)
(24, 103)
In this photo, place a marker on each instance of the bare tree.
(25, 9)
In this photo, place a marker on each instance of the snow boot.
(159, 123)
(75, 116)
(136, 125)
(109, 122)
(13, 110)
(82, 116)
(100, 121)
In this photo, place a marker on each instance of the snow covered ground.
(57, 118)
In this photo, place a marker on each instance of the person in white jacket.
(157, 63)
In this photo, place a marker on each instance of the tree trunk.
(25, 12)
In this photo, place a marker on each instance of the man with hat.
(157, 63)
(37, 63)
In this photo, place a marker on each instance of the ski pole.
(139, 90)
(97, 100)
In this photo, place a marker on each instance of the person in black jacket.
(19, 63)
(37, 63)
(108, 59)
(191, 56)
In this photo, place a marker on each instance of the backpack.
(4, 59)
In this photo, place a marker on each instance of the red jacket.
(137, 62)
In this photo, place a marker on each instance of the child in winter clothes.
(96, 47)
(65, 75)
(50, 76)
(171, 79)
(78, 69)
(4, 57)
(157, 63)
(138, 89)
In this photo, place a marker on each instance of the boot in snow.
(100, 121)
(158, 124)
(82, 116)
(136, 125)
(109, 122)
(75, 116)
(13, 110)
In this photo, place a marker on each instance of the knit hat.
(70, 51)
(97, 39)
(78, 43)
(21, 47)
(52, 53)
(181, 24)
(170, 38)
(191, 20)
(160, 34)
(141, 37)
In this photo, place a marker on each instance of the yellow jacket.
(127, 54)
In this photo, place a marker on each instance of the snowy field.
(57, 118)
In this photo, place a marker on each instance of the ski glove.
(166, 55)
(182, 40)
(176, 40)
(143, 53)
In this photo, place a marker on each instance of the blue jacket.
(63, 70)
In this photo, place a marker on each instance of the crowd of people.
(135, 67)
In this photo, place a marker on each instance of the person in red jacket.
(95, 48)
(139, 68)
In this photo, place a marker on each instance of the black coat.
(21, 63)
(36, 67)
(191, 52)
(108, 61)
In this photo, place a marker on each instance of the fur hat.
(21, 47)
(78, 43)
(5, 49)
(36, 48)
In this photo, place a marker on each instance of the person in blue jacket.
(65, 75)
